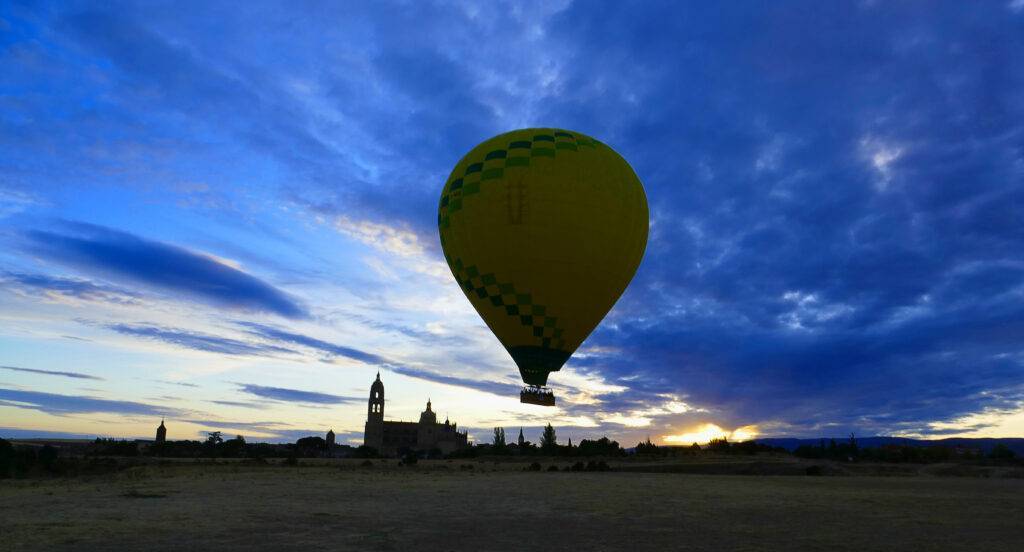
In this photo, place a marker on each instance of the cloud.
(238, 404)
(22, 433)
(295, 395)
(76, 288)
(835, 235)
(51, 403)
(197, 341)
(284, 336)
(487, 386)
(76, 375)
(409, 331)
(260, 427)
(162, 266)
(178, 383)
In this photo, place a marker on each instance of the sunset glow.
(707, 432)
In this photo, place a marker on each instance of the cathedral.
(391, 438)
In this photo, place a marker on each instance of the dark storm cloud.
(76, 375)
(292, 338)
(197, 340)
(162, 266)
(295, 395)
(52, 403)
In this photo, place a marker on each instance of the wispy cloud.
(261, 427)
(52, 403)
(295, 395)
(76, 288)
(239, 404)
(178, 383)
(197, 340)
(487, 386)
(76, 375)
(161, 266)
(21, 433)
(331, 349)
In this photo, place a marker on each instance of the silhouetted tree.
(1001, 452)
(47, 458)
(600, 447)
(6, 458)
(718, 445)
(310, 446)
(234, 448)
(548, 442)
(646, 447)
(214, 438)
(499, 438)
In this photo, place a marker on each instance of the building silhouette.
(391, 438)
(330, 439)
(161, 432)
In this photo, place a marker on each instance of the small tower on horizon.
(330, 439)
(522, 440)
(161, 432)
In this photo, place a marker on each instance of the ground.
(442, 505)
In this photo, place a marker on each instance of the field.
(445, 505)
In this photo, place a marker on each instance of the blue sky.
(226, 217)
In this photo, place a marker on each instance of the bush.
(409, 459)
(534, 467)
(364, 451)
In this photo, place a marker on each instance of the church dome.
(428, 416)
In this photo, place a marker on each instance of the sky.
(226, 217)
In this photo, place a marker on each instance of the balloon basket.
(534, 394)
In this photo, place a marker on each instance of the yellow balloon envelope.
(543, 229)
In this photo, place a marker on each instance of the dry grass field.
(341, 505)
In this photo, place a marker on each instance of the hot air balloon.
(543, 229)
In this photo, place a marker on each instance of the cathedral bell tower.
(373, 436)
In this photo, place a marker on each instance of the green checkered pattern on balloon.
(518, 154)
(514, 302)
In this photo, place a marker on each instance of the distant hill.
(1016, 444)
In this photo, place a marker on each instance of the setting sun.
(706, 432)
